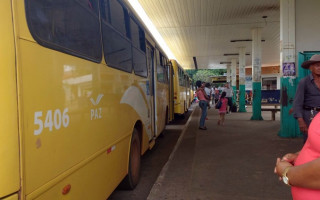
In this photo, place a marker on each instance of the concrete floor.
(153, 161)
(230, 162)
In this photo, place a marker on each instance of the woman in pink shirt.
(223, 108)
(203, 103)
(302, 170)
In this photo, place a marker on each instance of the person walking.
(208, 92)
(212, 95)
(223, 108)
(203, 103)
(229, 95)
(216, 95)
(306, 102)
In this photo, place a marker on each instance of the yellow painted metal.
(88, 180)
(191, 90)
(162, 106)
(70, 117)
(76, 119)
(180, 92)
(182, 108)
(54, 81)
(9, 142)
(188, 96)
(171, 93)
(12, 197)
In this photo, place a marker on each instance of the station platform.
(230, 162)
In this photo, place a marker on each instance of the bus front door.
(151, 97)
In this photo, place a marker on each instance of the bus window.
(181, 77)
(139, 58)
(105, 14)
(160, 72)
(165, 68)
(69, 26)
(135, 38)
(117, 47)
(139, 63)
(117, 16)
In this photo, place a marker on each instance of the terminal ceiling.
(204, 29)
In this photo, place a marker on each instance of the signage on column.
(248, 83)
(289, 69)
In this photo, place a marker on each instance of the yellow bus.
(162, 88)
(191, 91)
(188, 96)
(78, 98)
(180, 89)
(171, 91)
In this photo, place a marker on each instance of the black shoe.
(203, 128)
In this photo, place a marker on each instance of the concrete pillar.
(234, 78)
(256, 74)
(228, 73)
(289, 126)
(242, 79)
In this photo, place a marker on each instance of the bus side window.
(166, 71)
(138, 42)
(68, 26)
(160, 75)
(105, 14)
(116, 44)
(117, 14)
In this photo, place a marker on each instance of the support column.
(289, 126)
(234, 78)
(242, 76)
(256, 74)
(228, 73)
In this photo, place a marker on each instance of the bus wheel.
(133, 176)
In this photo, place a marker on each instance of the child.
(223, 108)
(195, 98)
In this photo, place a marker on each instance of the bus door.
(171, 91)
(151, 97)
(186, 104)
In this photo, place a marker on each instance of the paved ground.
(153, 161)
(231, 162)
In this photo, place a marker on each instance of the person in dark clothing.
(306, 102)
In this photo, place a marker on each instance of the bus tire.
(133, 176)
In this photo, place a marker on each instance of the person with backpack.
(222, 108)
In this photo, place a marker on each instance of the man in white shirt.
(229, 95)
